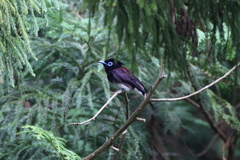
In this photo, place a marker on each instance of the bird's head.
(111, 64)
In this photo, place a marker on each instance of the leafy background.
(50, 77)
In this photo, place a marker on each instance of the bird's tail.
(154, 108)
(144, 94)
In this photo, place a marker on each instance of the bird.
(123, 78)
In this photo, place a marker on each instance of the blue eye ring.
(110, 63)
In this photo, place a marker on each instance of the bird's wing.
(123, 75)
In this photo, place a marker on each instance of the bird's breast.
(128, 88)
(125, 87)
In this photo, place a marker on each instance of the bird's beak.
(101, 62)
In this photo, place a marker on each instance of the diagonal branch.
(130, 120)
(209, 119)
(104, 106)
(208, 146)
(204, 88)
(193, 102)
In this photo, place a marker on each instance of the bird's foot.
(145, 95)
(122, 90)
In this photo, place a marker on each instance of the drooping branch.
(193, 103)
(192, 94)
(209, 119)
(206, 114)
(208, 146)
(105, 105)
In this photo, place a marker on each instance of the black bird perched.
(123, 78)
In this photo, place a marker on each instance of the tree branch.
(104, 106)
(208, 146)
(189, 150)
(74, 12)
(232, 145)
(209, 119)
(127, 106)
(206, 113)
(193, 103)
(131, 119)
(124, 133)
(204, 88)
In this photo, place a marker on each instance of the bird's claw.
(122, 90)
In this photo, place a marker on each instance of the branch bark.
(124, 133)
(209, 119)
(201, 106)
(131, 119)
(104, 106)
(208, 146)
(192, 94)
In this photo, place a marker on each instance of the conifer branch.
(104, 106)
(192, 94)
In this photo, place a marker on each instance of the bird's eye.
(110, 63)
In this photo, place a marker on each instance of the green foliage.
(68, 39)
(18, 19)
(222, 109)
(138, 23)
(141, 23)
(69, 86)
(39, 139)
(219, 21)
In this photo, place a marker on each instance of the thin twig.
(232, 145)
(237, 106)
(77, 14)
(206, 114)
(105, 105)
(125, 132)
(206, 87)
(140, 119)
(193, 103)
(127, 106)
(161, 156)
(130, 120)
(115, 149)
(208, 146)
(120, 145)
(208, 118)
(188, 148)
(225, 145)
